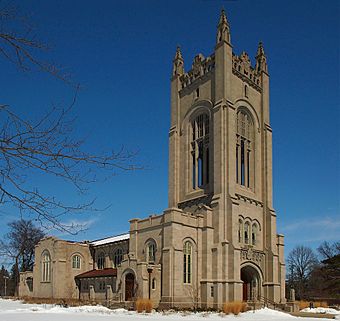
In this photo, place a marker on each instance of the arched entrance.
(129, 286)
(251, 284)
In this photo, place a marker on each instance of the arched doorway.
(251, 284)
(129, 286)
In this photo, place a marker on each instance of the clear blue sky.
(121, 52)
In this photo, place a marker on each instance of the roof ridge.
(108, 237)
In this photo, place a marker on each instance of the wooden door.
(129, 286)
(245, 291)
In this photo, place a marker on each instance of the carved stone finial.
(197, 67)
(260, 49)
(223, 29)
(261, 59)
(178, 54)
(223, 18)
(178, 63)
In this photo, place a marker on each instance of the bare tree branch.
(46, 146)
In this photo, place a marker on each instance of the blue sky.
(121, 53)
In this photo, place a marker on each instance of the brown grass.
(317, 304)
(64, 302)
(234, 307)
(144, 305)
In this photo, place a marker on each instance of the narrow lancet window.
(200, 151)
(244, 149)
(187, 262)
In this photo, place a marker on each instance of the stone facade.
(217, 241)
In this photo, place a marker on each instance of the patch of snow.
(321, 310)
(111, 239)
(18, 311)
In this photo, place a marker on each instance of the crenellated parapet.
(201, 66)
(243, 69)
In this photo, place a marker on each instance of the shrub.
(305, 304)
(234, 307)
(144, 305)
(148, 306)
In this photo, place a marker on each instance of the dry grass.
(144, 305)
(317, 304)
(234, 307)
(63, 302)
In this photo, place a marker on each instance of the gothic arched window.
(46, 267)
(244, 149)
(187, 262)
(246, 232)
(151, 251)
(76, 261)
(254, 234)
(240, 230)
(117, 257)
(200, 151)
(101, 261)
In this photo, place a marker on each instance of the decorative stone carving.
(200, 67)
(249, 200)
(250, 254)
(242, 68)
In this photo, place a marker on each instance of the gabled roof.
(111, 239)
(97, 273)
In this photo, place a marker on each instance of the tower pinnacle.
(223, 29)
(261, 59)
(178, 63)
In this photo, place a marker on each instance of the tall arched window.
(76, 261)
(101, 261)
(187, 262)
(244, 149)
(254, 234)
(46, 267)
(200, 151)
(117, 257)
(151, 251)
(240, 230)
(246, 232)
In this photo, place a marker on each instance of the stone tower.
(220, 171)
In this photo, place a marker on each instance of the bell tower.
(220, 159)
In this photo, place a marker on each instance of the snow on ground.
(17, 311)
(321, 310)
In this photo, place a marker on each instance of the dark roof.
(97, 273)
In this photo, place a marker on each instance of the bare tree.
(45, 146)
(19, 243)
(18, 246)
(301, 262)
(327, 250)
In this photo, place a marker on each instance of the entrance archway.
(251, 284)
(129, 286)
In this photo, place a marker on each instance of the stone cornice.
(249, 200)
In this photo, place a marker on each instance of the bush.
(234, 307)
(317, 304)
(144, 305)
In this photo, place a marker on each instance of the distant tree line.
(314, 275)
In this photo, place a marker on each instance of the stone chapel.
(217, 241)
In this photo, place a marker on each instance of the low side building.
(57, 262)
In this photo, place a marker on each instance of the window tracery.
(200, 151)
(151, 251)
(76, 261)
(101, 261)
(244, 149)
(117, 257)
(46, 267)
